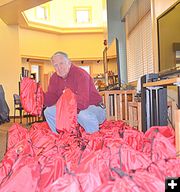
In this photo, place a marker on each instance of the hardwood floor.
(3, 138)
(4, 134)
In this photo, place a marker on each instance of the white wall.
(116, 29)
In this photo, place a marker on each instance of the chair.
(17, 106)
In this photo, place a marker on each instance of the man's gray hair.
(60, 53)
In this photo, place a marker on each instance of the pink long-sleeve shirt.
(80, 82)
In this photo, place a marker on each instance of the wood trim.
(162, 82)
(135, 115)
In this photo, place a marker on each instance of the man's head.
(61, 63)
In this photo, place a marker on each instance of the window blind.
(139, 40)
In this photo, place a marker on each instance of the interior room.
(130, 50)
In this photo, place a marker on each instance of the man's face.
(61, 65)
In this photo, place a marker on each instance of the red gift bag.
(66, 111)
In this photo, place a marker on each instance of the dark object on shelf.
(4, 109)
(113, 87)
(137, 97)
(127, 87)
(168, 73)
(24, 72)
(153, 103)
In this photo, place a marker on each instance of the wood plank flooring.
(4, 136)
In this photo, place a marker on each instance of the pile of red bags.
(117, 158)
(32, 96)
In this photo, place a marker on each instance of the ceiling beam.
(10, 10)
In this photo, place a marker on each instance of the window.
(86, 68)
(139, 40)
(82, 15)
(42, 12)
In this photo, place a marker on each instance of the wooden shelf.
(162, 82)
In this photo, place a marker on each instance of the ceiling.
(60, 16)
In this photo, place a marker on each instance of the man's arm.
(83, 91)
(51, 97)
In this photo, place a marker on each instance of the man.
(91, 111)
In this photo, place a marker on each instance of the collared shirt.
(80, 82)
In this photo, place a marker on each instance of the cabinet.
(167, 82)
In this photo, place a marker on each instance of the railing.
(120, 105)
(116, 102)
(135, 115)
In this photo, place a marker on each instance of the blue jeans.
(89, 118)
